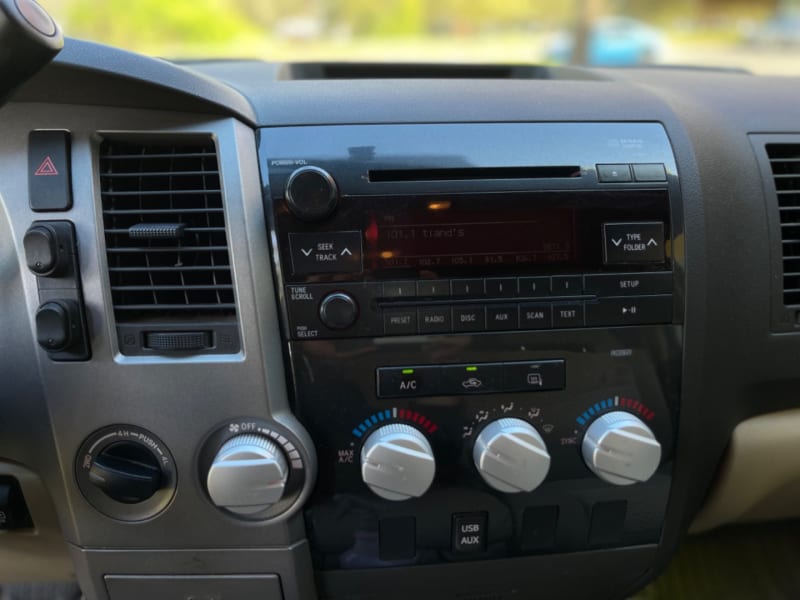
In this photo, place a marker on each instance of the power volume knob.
(620, 449)
(397, 462)
(311, 193)
(511, 456)
(248, 475)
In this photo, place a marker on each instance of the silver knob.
(511, 456)
(620, 449)
(248, 475)
(397, 462)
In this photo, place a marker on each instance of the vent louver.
(784, 161)
(166, 241)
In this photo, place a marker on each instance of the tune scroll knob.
(620, 449)
(338, 311)
(248, 475)
(511, 456)
(311, 193)
(397, 462)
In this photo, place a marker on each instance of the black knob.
(311, 193)
(126, 472)
(45, 252)
(57, 325)
(338, 311)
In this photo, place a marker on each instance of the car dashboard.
(373, 331)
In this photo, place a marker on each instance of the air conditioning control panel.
(603, 437)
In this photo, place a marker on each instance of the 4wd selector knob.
(511, 456)
(620, 449)
(248, 475)
(397, 462)
(311, 193)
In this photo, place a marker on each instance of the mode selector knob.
(511, 456)
(338, 311)
(620, 449)
(397, 462)
(248, 475)
(311, 193)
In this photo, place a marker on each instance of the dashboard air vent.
(166, 243)
(784, 161)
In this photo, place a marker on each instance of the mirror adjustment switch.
(48, 248)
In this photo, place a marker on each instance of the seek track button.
(330, 252)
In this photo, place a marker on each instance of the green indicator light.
(472, 369)
(408, 371)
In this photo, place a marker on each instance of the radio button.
(501, 288)
(629, 311)
(568, 315)
(536, 316)
(399, 382)
(433, 288)
(472, 379)
(469, 319)
(534, 286)
(400, 289)
(567, 285)
(467, 287)
(502, 318)
(614, 173)
(400, 322)
(534, 376)
(629, 284)
(435, 320)
(633, 243)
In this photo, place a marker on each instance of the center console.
(483, 333)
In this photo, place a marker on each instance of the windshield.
(762, 36)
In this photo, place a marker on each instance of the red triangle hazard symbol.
(46, 168)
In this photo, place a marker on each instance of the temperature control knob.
(248, 475)
(397, 462)
(620, 449)
(511, 456)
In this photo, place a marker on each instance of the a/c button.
(398, 382)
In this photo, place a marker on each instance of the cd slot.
(474, 173)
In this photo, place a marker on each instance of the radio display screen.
(441, 237)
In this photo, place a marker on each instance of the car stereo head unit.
(482, 327)
(371, 241)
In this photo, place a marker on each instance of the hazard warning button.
(49, 180)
